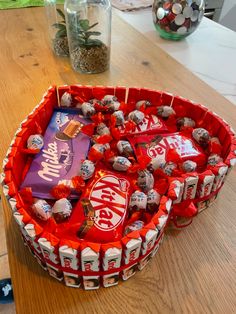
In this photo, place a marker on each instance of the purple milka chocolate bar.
(60, 158)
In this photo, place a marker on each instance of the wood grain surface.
(194, 271)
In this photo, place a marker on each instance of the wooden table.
(194, 271)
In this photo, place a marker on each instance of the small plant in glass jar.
(57, 27)
(88, 29)
(60, 42)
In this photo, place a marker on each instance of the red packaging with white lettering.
(111, 259)
(190, 186)
(176, 189)
(34, 231)
(149, 235)
(90, 253)
(149, 125)
(174, 147)
(132, 246)
(220, 171)
(205, 183)
(70, 260)
(69, 254)
(100, 214)
(49, 245)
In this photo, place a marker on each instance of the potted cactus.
(60, 41)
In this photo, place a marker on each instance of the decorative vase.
(176, 19)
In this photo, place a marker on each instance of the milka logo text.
(51, 166)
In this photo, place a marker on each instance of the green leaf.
(59, 26)
(84, 24)
(93, 42)
(61, 33)
(59, 11)
(93, 33)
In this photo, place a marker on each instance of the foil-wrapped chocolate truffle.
(153, 200)
(124, 148)
(214, 159)
(102, 129)
(111, 102)
(61, 210)
(136, 225)
(119, 115)
(107, 99)
(189, 166)
(155, 163)
(145, 180)
(35, 141)
(136, 116)
(201, 136)
(169, 167)
(87, 169)
(121, 163)
(165, 111)
(42, 209)
(185, 122)
(66, 100)
(143, 103)
(138, 201)
(88, 109)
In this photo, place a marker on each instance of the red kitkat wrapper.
(174, 146)
(100, 214)
(149, 125)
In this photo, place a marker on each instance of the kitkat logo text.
(109, 198)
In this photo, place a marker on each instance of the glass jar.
(57, 27)
(176, 19)
(89, 34)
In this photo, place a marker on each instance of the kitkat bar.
(111, 260)
(90, 262)
(69, 252)
(190, 186)
(149, 125)
(176, 189)
(132, 246)
(161, 146)
(34, 231)
(101, 211)
(205, 183)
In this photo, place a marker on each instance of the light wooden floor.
(4, 267)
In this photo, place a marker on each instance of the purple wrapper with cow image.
(60, 158)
